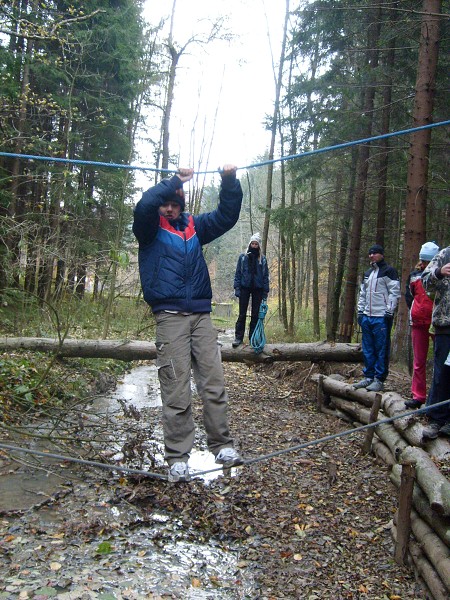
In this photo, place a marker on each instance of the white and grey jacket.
(380, 291)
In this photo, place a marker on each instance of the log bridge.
(419, 471)
(128, 350)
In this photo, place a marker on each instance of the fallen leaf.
(10, 538)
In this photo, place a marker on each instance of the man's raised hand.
(185, 174)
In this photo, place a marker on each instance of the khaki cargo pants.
(186, 342)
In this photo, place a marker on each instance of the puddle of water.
(157, 557)
(27, 485)
(140, 387)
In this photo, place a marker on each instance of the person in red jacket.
(420, 309)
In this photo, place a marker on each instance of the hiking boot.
(179, 471)
(445, 429)
(362, 384)
(375, 386)
(413, 403)
(431, 432)
(228, 457)
(237, 342)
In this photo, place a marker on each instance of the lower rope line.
(334, 436)
(245, 462)
(80, 461)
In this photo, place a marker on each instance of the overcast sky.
(235, 78)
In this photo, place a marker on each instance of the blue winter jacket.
(173, 271)
(243, 277)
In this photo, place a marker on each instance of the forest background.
(87, 82)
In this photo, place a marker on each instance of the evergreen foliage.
(75, 78)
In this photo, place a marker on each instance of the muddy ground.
(311, 524)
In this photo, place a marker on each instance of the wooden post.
(320, 394)
(404, 512)
(372, 418)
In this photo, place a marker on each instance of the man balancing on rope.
(176, 284)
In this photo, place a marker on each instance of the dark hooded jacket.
(252, 272)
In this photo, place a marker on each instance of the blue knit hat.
(428, 251)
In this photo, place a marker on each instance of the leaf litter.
(311, 524)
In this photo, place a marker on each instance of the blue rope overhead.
(110, 165)
(258, 340)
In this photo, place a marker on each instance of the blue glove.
(360, 318)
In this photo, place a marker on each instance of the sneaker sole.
(178, 479)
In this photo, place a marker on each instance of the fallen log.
(392, 438)
(382, 451)
(424, 568)
(436, 551)
(128, 350)
(335, 387)
(410, 427)
(441, 525)
(355, 410)
(435, 485)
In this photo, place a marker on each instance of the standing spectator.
(420, 308)
(378, 298)
(251, 279)
(176, 284)
(436, 281)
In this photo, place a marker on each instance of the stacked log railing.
(424, 503)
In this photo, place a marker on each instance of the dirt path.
(307, 525)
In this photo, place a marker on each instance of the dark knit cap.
(178, 197)
(376, 249)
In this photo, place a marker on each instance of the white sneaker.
(179, 471)
(228, 457)
(363, 383)
(375, 386)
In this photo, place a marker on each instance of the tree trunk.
(283, 265)
(314, 259)
(374, 25)
(384, 144)
(274, 127)
(343, 251)
(417, 178)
